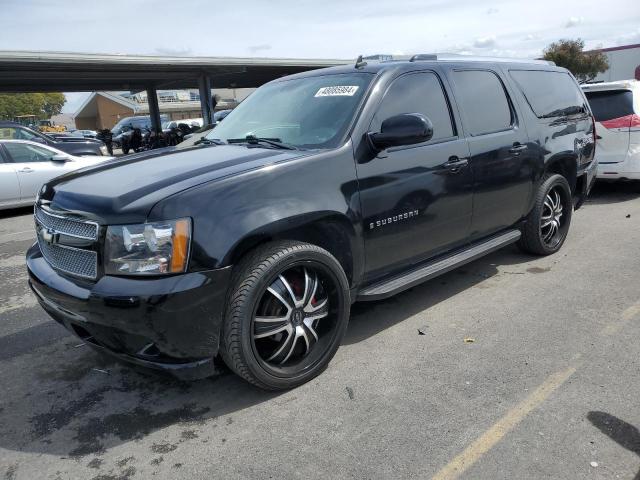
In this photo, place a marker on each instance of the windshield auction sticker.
(337, 91)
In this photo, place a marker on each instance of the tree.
(53, 103)
(43, 105)
(570, 54)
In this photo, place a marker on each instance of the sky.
(312, 29)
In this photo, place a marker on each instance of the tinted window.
(25, 153)
(141, 123)
(16, 134)
(611, 104)
(416, 93)
(549, 94)
(483, 101)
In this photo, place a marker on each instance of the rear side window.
(483, 101)
(610, 104)
(16, 134)
(417, 93)
(25, 153)
(550, 94)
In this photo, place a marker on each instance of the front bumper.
(166, 323)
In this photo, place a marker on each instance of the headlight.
(148, 249)
(103, 150)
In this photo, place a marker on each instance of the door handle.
(26, 170)
(517, 148)
(455, 164)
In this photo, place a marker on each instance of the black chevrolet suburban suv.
(338, 185)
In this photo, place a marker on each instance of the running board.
(427, 271)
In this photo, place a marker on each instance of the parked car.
(84, 133)
(204, 129)
(71, 145)
(25, 166)
(616, 108)
(74, 134)
(194, 123)
(124, 129)
(323, 188)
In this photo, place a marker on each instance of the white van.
(616, 108)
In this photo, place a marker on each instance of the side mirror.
(403, 129)
(59, 158)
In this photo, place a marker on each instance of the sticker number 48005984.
(337, 91)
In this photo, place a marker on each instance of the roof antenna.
(360, 62)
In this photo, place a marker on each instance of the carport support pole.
(206, 102)
(154, 109)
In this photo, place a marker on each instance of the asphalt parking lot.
(546, 384)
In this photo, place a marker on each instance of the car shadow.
(15, 212)
(371, 318)
(621, 432)
(69, 401)
(607, 192)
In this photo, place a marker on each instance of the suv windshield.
(310, 112)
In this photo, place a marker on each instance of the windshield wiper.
(209, 141)
(561, 112)
(253, 140)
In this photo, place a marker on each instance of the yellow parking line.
(630, 313)
(512, 418)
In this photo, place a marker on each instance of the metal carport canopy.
(76, 72)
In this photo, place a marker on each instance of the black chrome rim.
(553, 218)
(296, 318)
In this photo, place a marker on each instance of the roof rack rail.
(423, 57)
(480, 58)
(473, 58)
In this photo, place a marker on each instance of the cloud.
(485, 42)
(574, 22)
(531, 36)
(174, 52)
(629, 39)
(259, 48)
(491, 11)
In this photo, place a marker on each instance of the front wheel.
(547, 225)
(287, 313)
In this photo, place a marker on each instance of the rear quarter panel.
(557, 138)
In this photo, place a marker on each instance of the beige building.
(104, 109)
(624, 63)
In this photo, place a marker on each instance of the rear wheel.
(547, 224)
(287, 313)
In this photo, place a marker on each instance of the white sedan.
(25, 166)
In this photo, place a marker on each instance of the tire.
(537, 235)
(311, 299)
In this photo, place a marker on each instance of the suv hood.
(125, 190)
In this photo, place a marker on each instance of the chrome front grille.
(66, 225)
(74, 261)
(55, 232)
